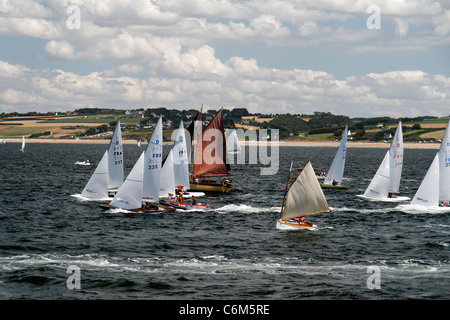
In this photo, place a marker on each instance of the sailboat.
(108, 176)
(175, 176)
(334, 176)
(22, 149)
(97, 186)
(233, 146)
(140, 191)
(434, 191)
(386, 182)
(210, 159)
(304, 197)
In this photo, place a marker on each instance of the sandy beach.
(332, 144)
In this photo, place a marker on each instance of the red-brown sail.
(210, 157)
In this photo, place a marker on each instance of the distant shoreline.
(350, 144)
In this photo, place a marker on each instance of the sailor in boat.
(391, 195)
(335, 183)
(194, 201)
(300, 220)
(180, 198)
(148, 206)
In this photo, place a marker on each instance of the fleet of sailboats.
(153, 184)
(335, 175)
(141, 189)
(386, 182)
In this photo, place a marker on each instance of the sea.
(56, 247)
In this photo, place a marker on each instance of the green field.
(95, 119)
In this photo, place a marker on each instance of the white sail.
(428, 193)
(304, 197)
(396, 160)
(378, 187)
(167, 182)
(196, 140)
(387, 178)
(23, 144)
(444, 166)
(97, 186)
(336, 172)
(434, 189)
(152, 165)
(115, 160)
(233, 145)
(180, 158)
(129, 195)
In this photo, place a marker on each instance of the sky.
(356, 58)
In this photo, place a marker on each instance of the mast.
(195, 130)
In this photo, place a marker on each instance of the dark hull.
(183, 206)
(206, 185)
(153, 209)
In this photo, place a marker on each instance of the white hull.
(82, 163)
(412, 208)
(397, 199)
(282, 225)
(80, 197)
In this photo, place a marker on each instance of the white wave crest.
(246, 209)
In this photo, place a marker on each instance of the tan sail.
(304, 197)
(210, 157)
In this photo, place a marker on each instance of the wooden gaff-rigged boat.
(210, 155)
(304, 197)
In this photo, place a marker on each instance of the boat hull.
(80, 197)
(292, 225)
(184, 206)
(396, 199)
(210, 186)
(330, 186)
(411, 208)
(154, 209)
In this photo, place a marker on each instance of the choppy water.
(231, 251)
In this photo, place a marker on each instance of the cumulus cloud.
(162, 52)
(398, 93)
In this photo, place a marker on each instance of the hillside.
(136, 124)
